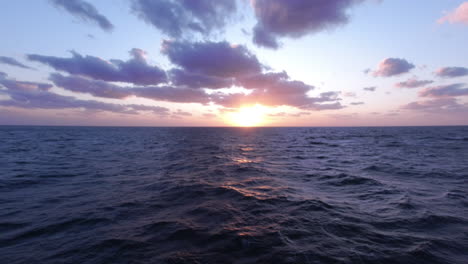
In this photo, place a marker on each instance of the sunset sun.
(248, 116)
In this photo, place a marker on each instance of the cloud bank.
(30, 95)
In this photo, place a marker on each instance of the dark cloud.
(452, 72)
(13, 62)
(393, 66)
(177, 17)
(37, 96)
(438, 106)
(413, 83)
(135, 70)
(370, 89)
(219, 59)
(452, 90)
(85, 11)
(184, 78)
(357, 103)
(107, 90)
(297, 18)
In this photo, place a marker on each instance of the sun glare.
(248, 116)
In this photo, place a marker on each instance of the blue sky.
(330, 60)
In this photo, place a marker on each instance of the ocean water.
(233, 195)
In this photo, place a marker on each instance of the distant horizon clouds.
(413, 83)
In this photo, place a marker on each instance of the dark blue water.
(233, 195)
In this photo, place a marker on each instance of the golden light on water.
(249, 116)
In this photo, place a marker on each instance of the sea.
(233, 195)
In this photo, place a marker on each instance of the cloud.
(296, 18)
(349, 94)
(438, 106)
(201, 69)
(452, 72)
(84, 11)
(94, 87)
(413, 83)
(184, 78)
(209, 115)
(357, 103)
(459, 15)
(22, 86)
(452, 90)
(393, 66)
(107, 90)
(219, 59)
(370, 89)
(277, 89)
(181, 113)
(13, 62)
(135, 70)
(37, 96)
(176, 18)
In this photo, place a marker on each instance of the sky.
(234, 62)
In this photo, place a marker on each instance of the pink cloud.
(459, 15)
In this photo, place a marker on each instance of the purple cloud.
(452, 90)
(94, 87)
(297, 18)
(370, 89)
(84, 11)
(37, 96)
(452, 72)
(177, 17)
(219, 59)
(135, 70)
(13, 62)
(184, 78)
(438, 106)
(107, 90)
(22, 86)
(277, 89)
(413, 83)
(393, 66)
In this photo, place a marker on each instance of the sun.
(248, 116)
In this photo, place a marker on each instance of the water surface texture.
(233, 195)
